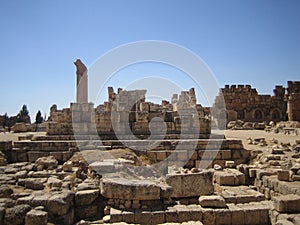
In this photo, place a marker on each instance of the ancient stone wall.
(294, 100)
(128, 113)
(244, 103)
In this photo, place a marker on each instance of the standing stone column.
(81, 83)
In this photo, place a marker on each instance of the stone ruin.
(65, 176)
(244, 103)
(129, 110)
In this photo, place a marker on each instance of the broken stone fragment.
(48, 162)
(217, 167)
(5, 191)
(212, 201)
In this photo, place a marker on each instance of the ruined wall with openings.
(244, 103)
(293, 100)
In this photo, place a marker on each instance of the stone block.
(226, 154)
(57, 155)
(36, 217)
(223, 217)
(60, 203)
(195, 212)
(120, 188)
(209, 217)
(283, 175)
(115, 215)
(230, 177)
(16, 215)
(35, 183)
(34, 155)
(191, 185)
(158, 217)
(230, 164)
(85, 212)
(284, 222)
(171, 215)
(287, 204)
(142, 217)
(252, 216)
(212, 201)
(161, 155)
(128, 217)
(237, 214)
(86, 197)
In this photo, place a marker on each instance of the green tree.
(38, 118)
(5, 120)
(24, 111)
(23, 115)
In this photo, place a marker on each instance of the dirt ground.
(244, 134)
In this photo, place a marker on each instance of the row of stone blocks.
(212, 157)
(170, 144)
(113, 137)
(235, 214)
(22, 155)
(67, 207)
(54, 128)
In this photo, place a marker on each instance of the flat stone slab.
(230, 177)
(240, 194)
(212, 201)
(191, 184)
(287, 203)
(129, 189)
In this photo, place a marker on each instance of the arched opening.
(241, 115)
(258, 114)
(275, 114)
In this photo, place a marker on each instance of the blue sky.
(243, 42)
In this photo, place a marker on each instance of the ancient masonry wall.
(244, 103)
(129, 112)
(294, 100)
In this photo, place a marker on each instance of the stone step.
(170, 144)
(242, 214)
(229, 177)
(239, 194)
(126, 137)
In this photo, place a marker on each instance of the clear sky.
(244, 42)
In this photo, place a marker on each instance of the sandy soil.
(244, 134)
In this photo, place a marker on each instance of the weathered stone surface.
(230, 177)
(90, 211)
(287, 203)
(212, 201)
(284, 222)
(2, 213)
(35, 183)
(36, 217)
(86, 197)
(7, 202)
(191, 184)
(5, 191)
(60, 203)
(53, 182)
(47, 162)
(121, 188)
(16, 215)
(283, 175)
